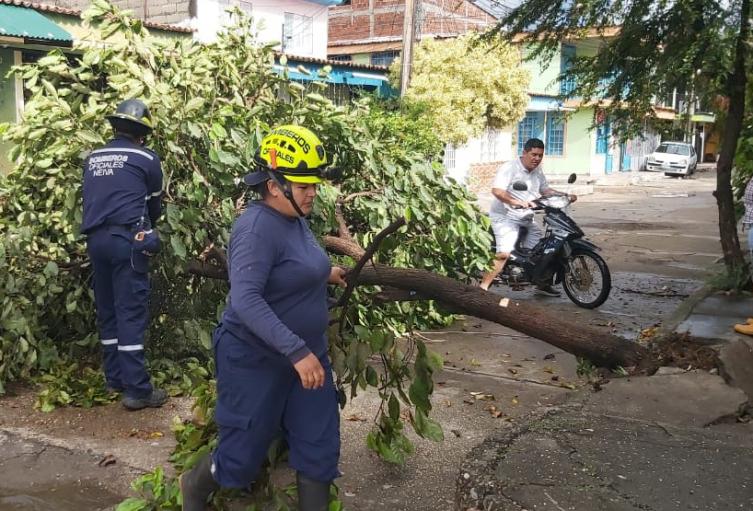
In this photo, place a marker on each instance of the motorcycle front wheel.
(587, 281)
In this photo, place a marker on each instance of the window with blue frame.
(555, 135)
(603, 132)
(532, 126)
(567, 56)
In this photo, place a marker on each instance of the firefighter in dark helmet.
(122, 185)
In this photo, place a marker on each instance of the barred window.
(449, 157)
(555, 135)
(384, 58)
(298, 34)
(567, 57)
(532, 126)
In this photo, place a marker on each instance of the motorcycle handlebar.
(539, 205)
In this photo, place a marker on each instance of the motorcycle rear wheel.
(586, 280)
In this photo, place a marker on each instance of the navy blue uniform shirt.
(122, 183)
(278, 284)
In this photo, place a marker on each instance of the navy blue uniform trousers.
(260, 398)
(121, 295)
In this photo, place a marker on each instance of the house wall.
(578, 146)
(269, 18)
(361, 58)
(475, 163)
(374, 20)
(73, 25)
(543, 74)
(7, 104)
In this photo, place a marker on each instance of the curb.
(681, 313)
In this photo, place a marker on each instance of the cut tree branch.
(343, 247)
(342, 224)
(352, 276)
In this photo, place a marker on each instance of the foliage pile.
(212, 104)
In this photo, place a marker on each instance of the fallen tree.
(602, 349)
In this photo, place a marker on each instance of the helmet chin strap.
(287, 191)
(283, 183)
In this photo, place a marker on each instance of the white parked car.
(673, 158)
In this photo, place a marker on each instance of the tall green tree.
(650, 49)
(466, 85)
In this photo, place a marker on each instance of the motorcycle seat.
(521, 251)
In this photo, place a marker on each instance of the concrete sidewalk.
(666, 442)
(672, 441)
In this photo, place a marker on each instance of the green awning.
(31, 26)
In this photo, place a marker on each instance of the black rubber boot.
(312, 495)
(197, 484)
(157, 398)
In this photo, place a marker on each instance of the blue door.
(625, 163)
(603, 134)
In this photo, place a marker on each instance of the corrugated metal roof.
(495, 8)
(314, 60)
(327, 3)
(29, 24)
(73, 12)
(350, 49)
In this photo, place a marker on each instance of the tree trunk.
(600, 348)
(603, 349)
(736, 84)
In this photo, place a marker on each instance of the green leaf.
(427, 427)
(372, 378)
(394, 407)
(133, 504)
(50, 269)
(178, 247)
(419, 392)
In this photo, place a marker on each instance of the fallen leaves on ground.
(483, 396)
(145, 435)
(108, 460)
(494, 411)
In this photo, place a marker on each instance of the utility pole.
(409, 25)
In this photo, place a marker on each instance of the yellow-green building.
(26, 33)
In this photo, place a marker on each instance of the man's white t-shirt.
(508, 174)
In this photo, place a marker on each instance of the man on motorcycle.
(511, 209)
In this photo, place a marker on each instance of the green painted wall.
(73, 24)
(578, 150)
(543, 75)
(361, 58)
(7, 104)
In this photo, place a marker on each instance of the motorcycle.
(563, 255)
